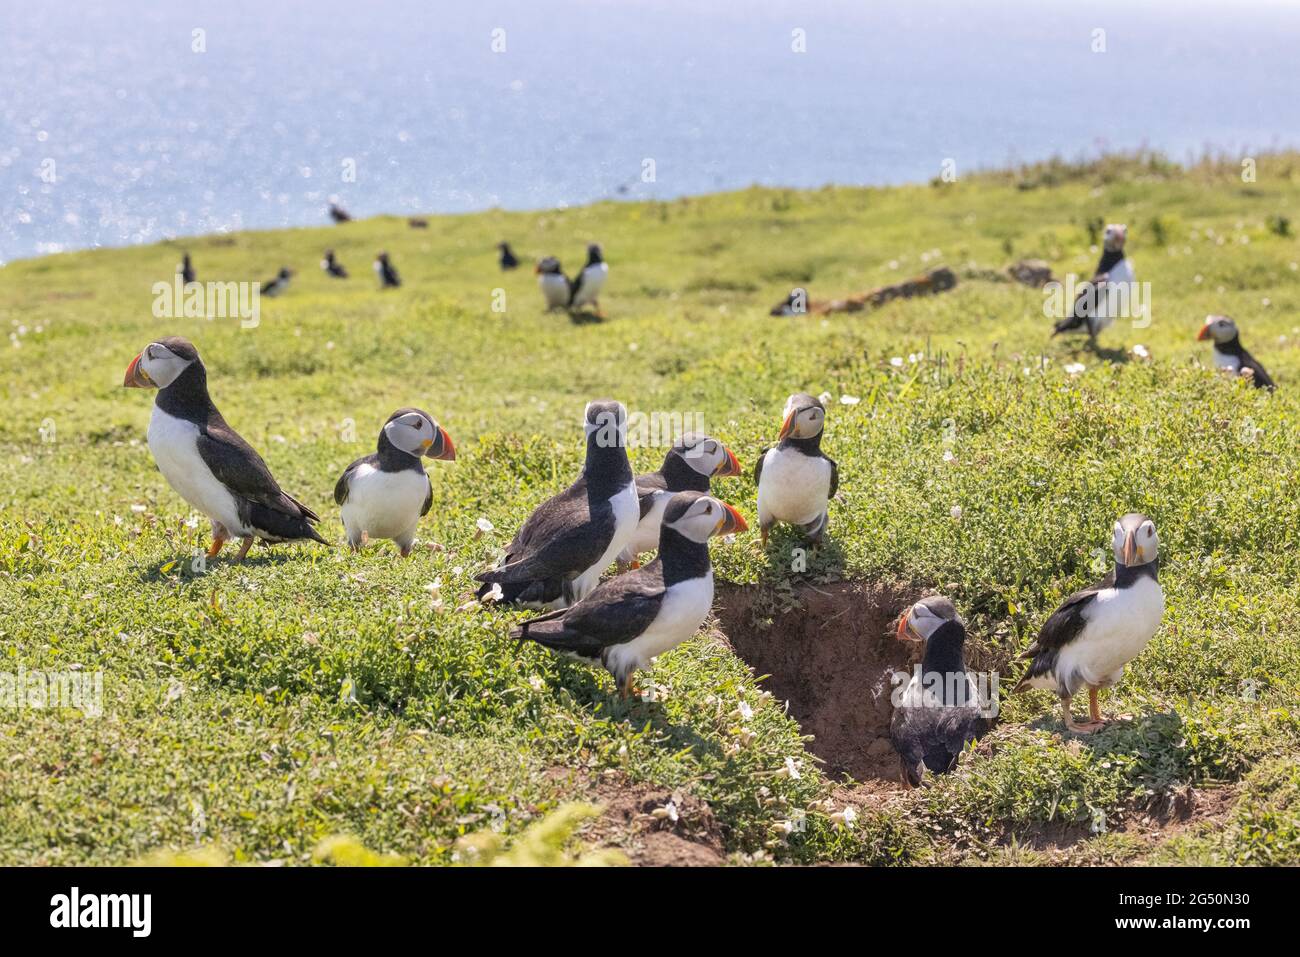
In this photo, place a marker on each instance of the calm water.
(144, 138)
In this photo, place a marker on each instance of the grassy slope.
(228, 714)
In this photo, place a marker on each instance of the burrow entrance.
(830, 651)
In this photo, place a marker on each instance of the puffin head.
(285, 272)
(1114, 236)
(503, 246)
(699, 517)
(925, 617)
(606, 419)
(548, 265)
(706, 455)
(414, 431)
(1135, 541)
(160, 363)
(594, 254)
(1219, 328)
(804, 417)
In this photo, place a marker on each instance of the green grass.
(251, 712)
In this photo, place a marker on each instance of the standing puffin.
(279, 284)
(940, 710)
(688, 467)
(553, 283)
(508, 260)
(1092, 307)
(332, 266)
(385, 494)
(186, 269)
(1230, 355)
(388, 278)
(588, 283)
(796, 480)
(626, 621)
(1088, 640)
(205, 460)
(339, 214)
(557, 556)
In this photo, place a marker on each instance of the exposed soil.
(831, 655)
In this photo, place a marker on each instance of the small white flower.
(948, 456)
(849, 400)
(668, 811)
(955, 512)
(137, 508)
(192, 522)
(845, 818)
(824, 398)
(1198, 279)
(792, 769)
(434, 586)
(746, 712)
(536, 683)
(1074, 368)
(1141, 352)
(632, 347)
(484, 526)
(896, 362)
(494, 594)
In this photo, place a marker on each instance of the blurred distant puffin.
(1092, 307)
(508, 259)
(186, 269)
(795, 304)
(332, 266)
(279, 284)
(589, 282)
(1230, 355)
(205, 460)
(940, 710)
(553, 283)
(557, 556)
(384, 494)
(1096, 632)
(796, 479)
(339, 214)
(689, 466)
(388, 278)
(629, 619)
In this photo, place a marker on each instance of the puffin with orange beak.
(939, 711)
(690, 465)
(796, 479)
(1230, 355)
(386, 493)
(1089, 639)
(207, 461)
(555, 286)
(629, 619)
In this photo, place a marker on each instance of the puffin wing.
(428, 497)
(574, 285)
(562, 537)
(344, 484)
(236, 465)
(616, 612)
(648, 487)
(835, 476)
(758, 466)
(1260, 377)
(1060, 629)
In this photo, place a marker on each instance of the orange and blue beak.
(136, 378)
(788, 425)
(443, 448)
(730, 467)
(1204, 333)
(1130, 548)
(732, 522)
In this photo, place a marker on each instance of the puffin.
(388, 278)
(796, 479)
(556, 557)
(186, 269)
(589, 281)
(795, 304)
(386, 493)
(1096, 632)
(279, 284)
(339, 214)
(553, 283)
(629, 619)
(689, 466)
(1230, 355)
(508, 259)
(332, 266)
(207, 461)
(1091, 309)
(939, 711)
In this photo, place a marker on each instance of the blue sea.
(130, 122)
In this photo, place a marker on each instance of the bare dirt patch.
(830, 651)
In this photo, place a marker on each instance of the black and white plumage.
(590, 280)
(1089, 639)
(186, 269)
(205, 460)
(386, 493)
(508, 260)
(627, 621)
(555, 287)
(557, 557)
(388, 278)
(796, 479)
(279, 284)
(693, 461)
(339, 214)
(1092, 310)
(1230, 355)
(795, 304)
(332, 267)
(939, 711)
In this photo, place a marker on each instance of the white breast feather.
(1120, 622)
(646, 536)
(627, 511)
(685, 606)
(593, 280)
(173, 442)
(1226, 362)
(384, 504)
(555, 289)
(794, 487)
